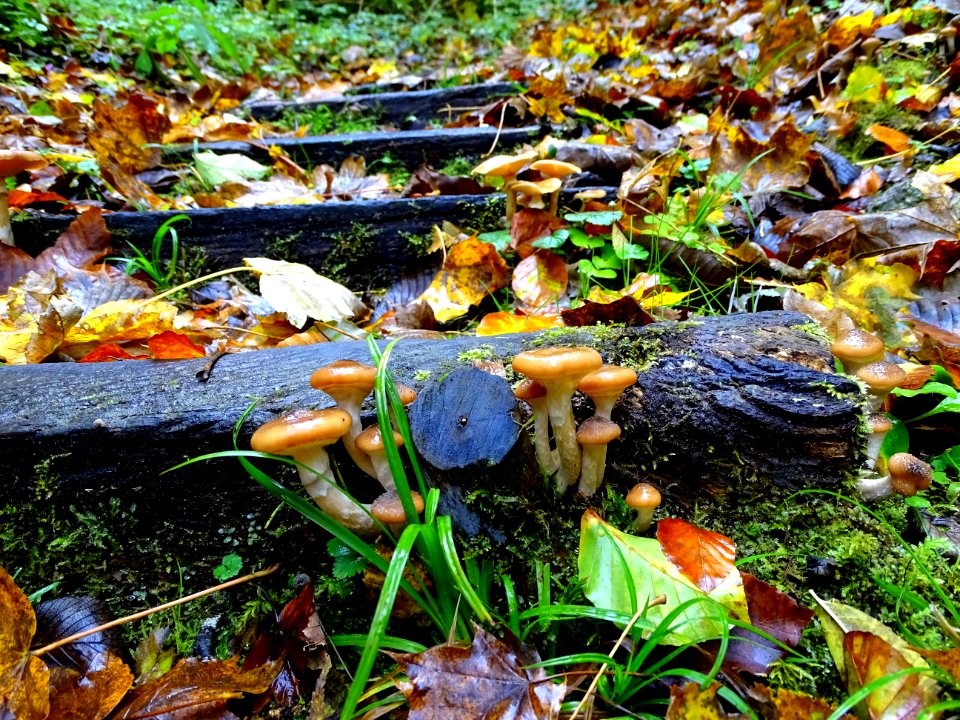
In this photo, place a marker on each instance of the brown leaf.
(90, 695)
(540, 280)
(123, 133)
(529, 224)
(947, 660)
(196, 690)
(691, 702)
(738, 149)
(826, 234)
(625, 310)
(23, 677)
(487, 681)
(703, 556)
(789, 705)
(791, 38)
(472, 270)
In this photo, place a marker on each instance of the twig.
(144, 613)
(204, 374)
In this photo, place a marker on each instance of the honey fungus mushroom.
(906, 475)
(551, 168)
(857, 348)
(645, 499)
(12, 163)
(535, 395)
(506, 167)
(605, 386)
(348, 383)
(388, 509)
(304, 435)
(370, 442)
(880, 378)
(595, 434)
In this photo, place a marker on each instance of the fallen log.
(410, 148)
(718, 401)
(395, 106)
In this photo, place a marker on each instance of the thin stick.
(144, 613)
(658, 600)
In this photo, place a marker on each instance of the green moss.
(283, 248)
(459, 166)
(485, 216)
(354, 251)
(814, 329)
(419, 241)
(422, 375)
(478, 353)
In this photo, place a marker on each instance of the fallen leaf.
(24, 678)
(539, 281)
(170, 345)
(91, 694)
(126, 134)
(868, 658)
(625, 310)
(472, 270)
(766, 159)
(35, 318)
(150, 659)
(217, 169)
(896, 141)
(949, 170)
(703, 556)
(121, 320)
(109, 352)
(487, 681)
(790, 705)
(504, 323)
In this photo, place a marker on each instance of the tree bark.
(718, 401)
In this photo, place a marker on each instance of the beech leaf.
(216, 169)
(703, 556)
(472, 270)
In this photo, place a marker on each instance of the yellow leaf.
(948, 171)
(472, 270)
(503, 323)
(667, 298)
(23, 677)
(120, 320)
(34, 318)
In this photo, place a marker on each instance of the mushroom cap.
(591, 194)
(300, 428)
(879, 423)
(505, 165)
(857, 346)
(14, 162)
(344, 378)
(371, 441)
(538, 189)
(530, 389)
(607, 380)
(597, 431)
(554, 363)
(388, 509)
(908, 474)
(555, 168)
(882, 376)
(407, 395)
(643, 495)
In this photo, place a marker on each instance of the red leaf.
(170, 345)
(703, 556)
(626, 310)
(25, 198)
(108, 353)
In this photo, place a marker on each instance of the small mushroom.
(879, 425)
(605, 386)
(533, 192)
(594, 435)
(551, 168)
(407, 397)
(370, 441)
(388, 509)
(560, 369)
(584, 196)
(880, 378)
(857, 348)
(906, 475)
(645, 499)
(506, 167)
(12, 163)
(348, 383)
(535, 395)
(304, 436)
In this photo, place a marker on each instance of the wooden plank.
(395, 106)
(410, 148)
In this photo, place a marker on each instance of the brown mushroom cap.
(591, 194)
(643, 496)
(344, 378)
(14, 162)
(607, 380)
(881, 377)
(555, 168)
(407, 395)
(505, 165)
(908, 474)
(530, 389)
(388, 509)
(553, 363)
(371, 441)
(300, 428)
(857, 346)
(597, 431)
(536, 190)
(879, 423)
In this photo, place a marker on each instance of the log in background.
(718, 402)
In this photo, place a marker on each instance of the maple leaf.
(487, 681)
(92, 693)
(23, 677)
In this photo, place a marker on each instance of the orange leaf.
(868, 657)
(107, 353)
(170, 345)
(23, 677)
(895, 140)
(529, 224)
(92, 694)
(703, 556)
(539, 280)
(22, 198)
(504, 323)
(472, 270)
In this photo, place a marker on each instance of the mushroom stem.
(547, 457)
(6, 229)
(554, 202)
(511, 197)
(874, 487)
(560, 409)
(350, 440)
(591, 470)
(382, 467)
(327, 494)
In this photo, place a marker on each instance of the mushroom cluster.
(554, 374)
(305, 435)
(541, 194)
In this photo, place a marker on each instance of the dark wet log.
(719, 401)
(396, 106)
(410, 148)
(347, 241)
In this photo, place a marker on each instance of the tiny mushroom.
(645, 499)
(407, 396)
(857, 348)
(304, 436)
(533, 192)
(12, 163)
(880, 378)
(370, 441)
(906, 475)
(506, 167)
(559, 369)
(585, 196)
(552, 168)
(388, 509)
(348, 383)
(879, 425)
(535, 395)
(594, 435)
(605, 386)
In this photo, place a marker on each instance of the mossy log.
(395, 106)
(410, 148)
(719, 401)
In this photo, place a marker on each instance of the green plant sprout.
(153, 266)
